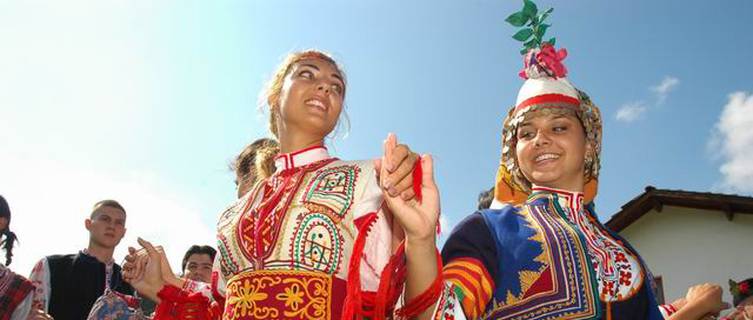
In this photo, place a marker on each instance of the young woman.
(313, 241)
(540, 252)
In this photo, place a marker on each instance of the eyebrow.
(310, 66)
(334, 75)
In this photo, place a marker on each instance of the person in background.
(197, 263)
(68, 285)
(255, 162)
(742, 295)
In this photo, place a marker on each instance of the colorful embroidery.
(317, 244)
(331, 191)
(275, 294)
(228, 263)
(617, 271)
(473, 284)
(445, 307)
(562, 286)
(259, 225)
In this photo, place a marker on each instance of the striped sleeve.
(470, 265)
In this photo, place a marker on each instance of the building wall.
(691, 246)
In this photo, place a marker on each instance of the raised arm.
(419, 222)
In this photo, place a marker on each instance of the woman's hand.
(397, 179)
(418, 219)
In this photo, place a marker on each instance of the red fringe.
(354, 299)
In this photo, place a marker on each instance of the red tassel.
(389, 287)
(353, 300)
(418, 178)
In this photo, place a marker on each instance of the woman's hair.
(8, 236)
(273, 91)
(257, 158)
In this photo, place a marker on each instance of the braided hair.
(9, 236)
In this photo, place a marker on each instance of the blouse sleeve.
(470, 265)
(40, 277)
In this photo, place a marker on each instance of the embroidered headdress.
(546, 89)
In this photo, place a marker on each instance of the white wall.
(690, 246)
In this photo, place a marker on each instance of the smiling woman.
(540, 252)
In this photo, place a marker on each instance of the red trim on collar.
(289, 158)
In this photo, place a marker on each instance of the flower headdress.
(545, 89)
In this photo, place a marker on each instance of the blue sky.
(147, 102)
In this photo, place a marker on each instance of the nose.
(323, 86)
(541, 139)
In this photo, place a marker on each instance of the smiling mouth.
(545, 157)
(316, 103)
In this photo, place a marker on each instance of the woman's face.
(311, 98)
(551, 151)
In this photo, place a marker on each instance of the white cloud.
(732, 140)
(631, 111)
(662, 90)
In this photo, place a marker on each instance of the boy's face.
(107, 226)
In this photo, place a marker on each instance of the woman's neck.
(291, 141)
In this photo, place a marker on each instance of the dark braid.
(7, 244)
(9, 236)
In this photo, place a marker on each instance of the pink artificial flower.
(744, 287)
(551, 59)
(546, 61)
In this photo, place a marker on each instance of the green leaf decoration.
(532, 26)
(534, 21)
(523, 34)
(517, 19)
(545, 14)
(529, 8)
(541, 30)
(552, 41)
(733, 287)
(530, 44)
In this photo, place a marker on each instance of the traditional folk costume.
(16, 293)
(310, 242)
(68, 285)
(541, 253)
